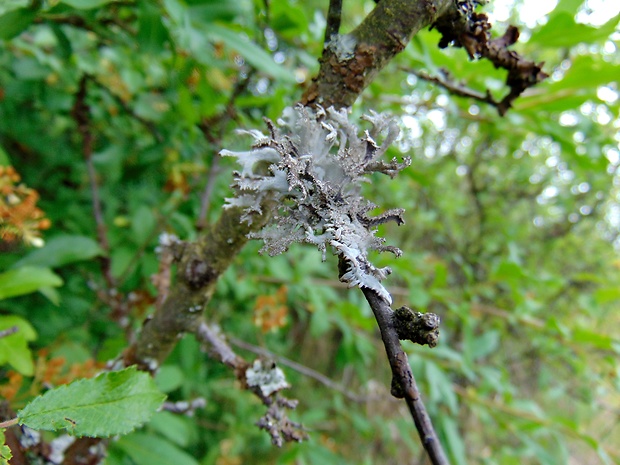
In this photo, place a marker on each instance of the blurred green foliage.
(511, 235)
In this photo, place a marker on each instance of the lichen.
(313, 165)
(266, 376)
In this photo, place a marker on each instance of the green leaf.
(251, 52)
(25, 280)
(562, 31)
(152, 34)
(14, 347)
(5, 452)
(14, 22)
(174, 427)
(110, 404)
(85, 4)
(62, 250)
(146, 449)
(4, 158)
(453, 440)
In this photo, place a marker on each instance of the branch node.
(421, 328)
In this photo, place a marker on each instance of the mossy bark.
(383, 34)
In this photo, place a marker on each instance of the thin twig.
(9, 423)
(185, 407)
(81, 114)
(7, 332)
(334, 15)
(275, 421)
(304, 370)
(403, 382)
(455, 88)
(208, 128)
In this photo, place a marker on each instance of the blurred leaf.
(172, 426)
(62, 250)
(145, 449)
(152, 34)
(251, 52)
(455, 447)
(143, 223)
(562, 31)
(169, 378)
(4, 158)
(15, 22)
(85, 4)
(112, 403)
(14, 347)
(5, 451)
(485, 344)
(25, 280)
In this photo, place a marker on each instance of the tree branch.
(262, 378)
(350, 63)
(199, 266)
(403, 382)
(333, 20)
(462, 27)
(455, 88)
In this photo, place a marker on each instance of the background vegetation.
(511, 234)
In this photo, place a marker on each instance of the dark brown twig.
(81, 114)
(403, 382)
(462, 27)
(334, 15)
(455, 88)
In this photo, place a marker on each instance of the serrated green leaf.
(14, 347)
(25, 280)
(110, 404)
(15, 21)
(251, 52)
(5, 452)
(62, 250)
(145, 449)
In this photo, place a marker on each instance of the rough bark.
(350, 62)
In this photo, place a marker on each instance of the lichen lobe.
(316, 163)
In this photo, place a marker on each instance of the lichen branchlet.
(316, 162)
(421, 328)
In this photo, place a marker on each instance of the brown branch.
(275, 421)
(350, 63)
(455, 88)
(462, 27)
(199, 266)
(334, 15)
(403, 382)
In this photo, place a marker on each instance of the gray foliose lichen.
(313, 164)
